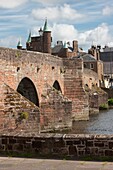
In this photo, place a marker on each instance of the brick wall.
(56, 111)
(58, 145)
(90, 78)
(74, 90)
(19, 114)
(42, 69)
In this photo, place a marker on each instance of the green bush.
(24, 115)
(103, 106)
(110, 101)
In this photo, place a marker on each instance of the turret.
(19, 45)
(28, 43)
(46, 39)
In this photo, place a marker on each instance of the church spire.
(29, 38)
(45, 26)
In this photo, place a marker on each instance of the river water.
(101, 123)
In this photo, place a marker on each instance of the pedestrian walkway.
(7, 163)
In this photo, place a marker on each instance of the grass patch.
(103, 107)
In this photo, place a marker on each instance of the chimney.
(75, 46)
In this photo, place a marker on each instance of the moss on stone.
(103, 106)
(24, 115)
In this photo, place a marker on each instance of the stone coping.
(56, 135)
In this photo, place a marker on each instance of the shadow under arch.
(56, 85)
(27, 89)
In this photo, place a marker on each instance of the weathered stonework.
(56, 111)
(18, 114)
(30, 73)
(97, 97)
(58, 145)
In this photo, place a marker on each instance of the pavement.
(9, 163)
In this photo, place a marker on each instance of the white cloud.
(10, 41)
(11, 3)
(64, 32)
(58, 13)
(100, 35)
(108, 10)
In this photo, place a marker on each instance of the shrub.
(110, 101)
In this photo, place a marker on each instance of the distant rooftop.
(88, 57)
(107, 49)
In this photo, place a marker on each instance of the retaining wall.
(58, 145)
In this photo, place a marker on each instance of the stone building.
(41, 43)
(96, 70)
(93, 62)
(107, 57)
(65, 50)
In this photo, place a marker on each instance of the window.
(91, 66)
(85, 65)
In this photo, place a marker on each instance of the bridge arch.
(56, 85)
(27, 89)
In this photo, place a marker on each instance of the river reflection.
(101, 123)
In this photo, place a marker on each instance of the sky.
(88, 21)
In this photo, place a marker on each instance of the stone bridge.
(39, 91)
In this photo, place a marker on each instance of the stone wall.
(93, 103)
(18, 113)
(109, 92)
(97, 97)
(90, 78)
(57, 145)
(41, 69)
(56, 111)
(73, 88)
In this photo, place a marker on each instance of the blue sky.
(88, 21)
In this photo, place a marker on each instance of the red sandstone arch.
(27, 89)
(56, 85)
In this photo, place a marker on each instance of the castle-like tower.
(46, 39)
(41, 43)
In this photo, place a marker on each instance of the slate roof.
(88, 57)
(56, 49)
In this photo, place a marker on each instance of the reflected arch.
(56, 85)
(27, 89)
